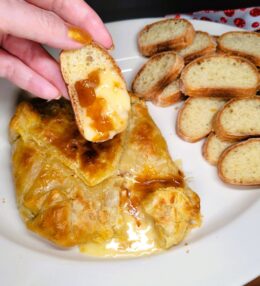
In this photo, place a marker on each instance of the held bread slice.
(238, 119)
(220, 75)
(203, 44)
(165, 35)
(239, 164)
(157, 73)
(97, 90)
(246, 44)
(169, 95)
(213, 147)
(194, 120)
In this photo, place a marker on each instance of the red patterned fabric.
(246, 18)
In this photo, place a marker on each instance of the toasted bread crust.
(167, 101)
(207, 51)
(218, 92)
(221, 132)
(205, 148)
(73, 95)
(222, 158)
(221, 47)
(178, 125)
(211, 49)
(175, 44)
(161, 84)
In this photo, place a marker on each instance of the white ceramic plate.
(224, 251)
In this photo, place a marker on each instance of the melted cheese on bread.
(108, 113)
(97, 90)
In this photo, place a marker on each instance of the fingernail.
(79, 35)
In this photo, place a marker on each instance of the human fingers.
(17, 72)
(37, 58)
(24, 20)
(78, 13)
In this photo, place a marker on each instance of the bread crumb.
(186, 243)
(3, 200)
(187, 251)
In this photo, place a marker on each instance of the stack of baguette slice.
(219, 74)
(175, 35)
(237, 162)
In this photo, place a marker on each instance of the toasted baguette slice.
(246, 44)
(97, 90)
(169, 95)
(238, 119)
(157, 73)
(220, 75)
(203, 44)
(194, 120)
(165, 35)
(239, 164)
(213, 147)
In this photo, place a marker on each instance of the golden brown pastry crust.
(52, 185)
(52, 125)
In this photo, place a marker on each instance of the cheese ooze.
(115, 107)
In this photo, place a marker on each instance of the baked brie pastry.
(119, 197)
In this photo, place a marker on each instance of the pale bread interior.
(170, 89)
(241, 117)
(195, 120)
(154, 70)
(241, 164)
(163, 31)
(214, 146)
(220, 72)
(201, 41)
(248, 43)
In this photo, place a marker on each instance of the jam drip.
(95, 106)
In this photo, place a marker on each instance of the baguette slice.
(213, 147)
(239, 164)
(245, 44)
(97, 90)
(156, 74)
(194, 120)
(220, 75)
(165, 35)
(203, 44)
(169, 95)
(238, 119)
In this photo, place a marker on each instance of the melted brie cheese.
(111, 92)
(136, 241)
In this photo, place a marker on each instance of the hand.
(25, 24)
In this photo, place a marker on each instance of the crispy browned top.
(53, 124)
